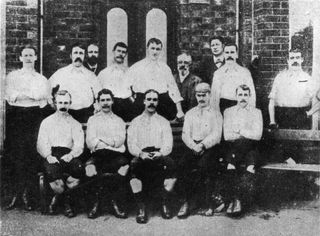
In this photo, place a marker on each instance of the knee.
(57, 186)
(123, 170)
(169, 184)
(136, 185)
(72, 182)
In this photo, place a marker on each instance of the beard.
(93, 60)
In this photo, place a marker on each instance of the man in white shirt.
(106, 134)
(210, 64)
(150, 143)
(92, 63)
(60, 143)
(151, 73)
(242, 129)
(26, 93)
(186, 81)
(201, 133)
(113, 78)
(227, 78)
(81, 83)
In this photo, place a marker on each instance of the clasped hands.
(150, 155)
(66, 158)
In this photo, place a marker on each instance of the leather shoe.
(68, 211)
(184, 211)
(142, 217)
(117, 211)
(52, 209)
(165, 213)
(93, 213)
(26, 203)
(12, 203)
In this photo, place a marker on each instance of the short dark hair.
(294, 50)
(154, 40)
(244, 87)
(150, 91)
(231, 44)
(62, 93)
(220, 38)
(77, 44)
(28, 46)
(106, 92)
(120, 44)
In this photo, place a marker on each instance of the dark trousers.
(123, 108)
(291, 118)
(82, 115)
(240, 183)
(56, 171)
(196, 172)
(166, 107)
(22, 125)
(152, 173)
(108, 161)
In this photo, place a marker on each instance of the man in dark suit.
(92, 62)
(210, 64)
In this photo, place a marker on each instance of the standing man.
(210, 64)
(201, 133)
(92, 62)
(113, 78)
(242, 129)
(26, 93)
(151, 73)
(106, 134)
(60, 143)
(227, 78)
(186, 81)
(81, 83)
(150, 143)
(290, 98)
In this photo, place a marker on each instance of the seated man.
(242, 129)
(60, 143)
(202, 130)
(186, 81)
(290, 98)
(106, 134)
(150, 143)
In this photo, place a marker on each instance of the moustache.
(120, 57)
(63, 109)
(295, 64)
(230, 59)
(182, 67)
(243, 101)
(93, 59)
(105, 106)
(151, 106)
(201, 101)
(78, 59)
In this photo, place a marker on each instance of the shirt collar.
(80, 69)
(116, 66)
(219, 58)
(247, 108)
(25, 71)
(152, 62)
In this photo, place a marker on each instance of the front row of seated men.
(150, 142)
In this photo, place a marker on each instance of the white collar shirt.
(202, 125)
(26, 88)
(101, 127)
(59, 130)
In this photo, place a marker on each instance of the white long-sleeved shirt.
(147, 74)
(101, 127)
(150, 131)
(293, 89)
(113, 78)
(59, 130)
(202, 124)
(246, 122)
(31, 84)
(225, 82)
(80, 82)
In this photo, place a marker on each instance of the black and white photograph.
(160, 117)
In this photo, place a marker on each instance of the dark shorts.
(293, 117)
(123, 108)
(107, 161)
(82, 115)
(56, 171)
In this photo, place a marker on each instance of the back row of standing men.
(147, 85)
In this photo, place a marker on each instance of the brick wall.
(66, 22)
(199, 22)
(21, 28)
